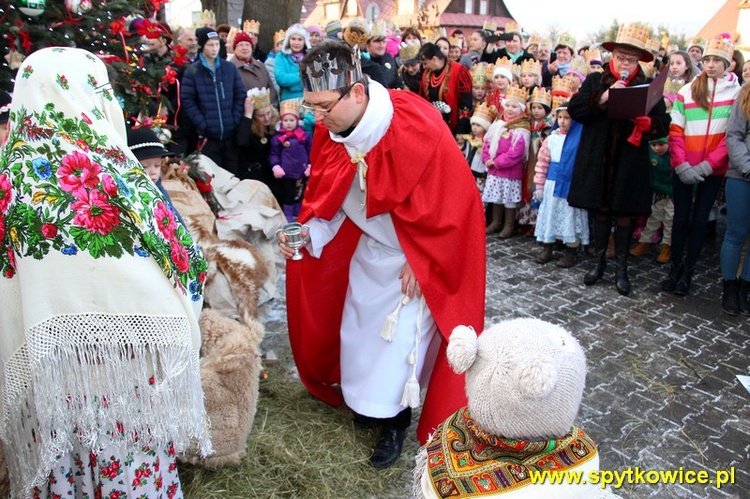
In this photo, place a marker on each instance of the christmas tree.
(113, 30)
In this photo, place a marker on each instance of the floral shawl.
(100, 342)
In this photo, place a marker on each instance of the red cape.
(418, 175)
(458, 81)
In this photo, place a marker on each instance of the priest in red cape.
(395, 257)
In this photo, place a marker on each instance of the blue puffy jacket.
(213, 100)
(288, 77)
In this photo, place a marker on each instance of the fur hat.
(241, 36)
(298, 30)
(205, 34)
(538, 394)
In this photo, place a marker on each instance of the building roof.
(725, 20)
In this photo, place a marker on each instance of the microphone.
(624, 75)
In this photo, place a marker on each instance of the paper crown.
(485, 111)
(489, 71)
(561, 86)
(672, 86)
(557, 100)
(593, 56)
(489, 26)
(455, 41)
(566, 40)
(517, 93)
(531, 66)
(409, 51)
(208, 17)
(648, 69)
(541, 95)
(357, 32)
(479, 76)
(697, 42)
(653, 45)
(633, 34)
(251, 27)
(289, 106)
(261, 98)
(534, 40)
(516, 71)
(378, 30)
(279, 36)
(504, 62)
(512, 27)
(720, 46)
(580, 67)
(325, 73)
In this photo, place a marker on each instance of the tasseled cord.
(411, 389)
(388, 332)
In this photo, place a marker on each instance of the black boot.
(601, 239)
(742, 297)
(729, 297)
(682, 287)
(675, 272)
(388, 449)
(622, 251)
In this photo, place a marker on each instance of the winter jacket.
(287, 77)
(255, 75)
(661, 173)
(271, 68)
(291, 153)
(738, 142)
(610, 174)
(213, 100)
(696, 134)
(511, 150)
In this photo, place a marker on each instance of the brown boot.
(509, 228)
(569, 257)
(665, 254)
(544, 255)
(640, 249)
(497, 219)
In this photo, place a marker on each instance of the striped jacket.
(696, 134)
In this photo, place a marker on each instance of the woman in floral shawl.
(99, 289)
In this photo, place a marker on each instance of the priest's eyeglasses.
(312, 108)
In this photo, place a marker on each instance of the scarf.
(617, 75)
(284, 135)
(101, 344)
(464, 461)
(562, 68)
(499, 127)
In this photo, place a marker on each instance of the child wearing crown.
(481, 120)
(531, 75)
(504, 153)
(540, 123)
(479, 82)
(290, 153)
(502, 78)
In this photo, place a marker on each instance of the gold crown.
(534, 40)
(289, 106)
(512, 27)
(504, 63)
(648, 69)
(672, 86)
(653, 45)
(378, 30)
(485, 112)
(261, 98)
(279, 36)
(557, 100)
(561, 86)
(455, 42)
(490, 71)
(489, 26)
(531, 66)
(720, 47)
(580, 66)
(357, 32)
(541, 95)
(697, 42)
(251, 27)
(479, 76)
(567, 40)
(593, 55)
(515, 92)
(409, 51)
(516, 71)
(208, 17)
(633, 34)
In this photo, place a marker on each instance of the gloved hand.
(278, 171)
(642, 124)
(688, 175)
(704, 169)
(538, 195)
(441, 106)
(307, 171)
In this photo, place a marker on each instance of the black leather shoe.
(388, 449)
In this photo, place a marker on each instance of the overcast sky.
(583, 17)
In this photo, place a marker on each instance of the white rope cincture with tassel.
(359, 160)
(411, 388)
(388, 331)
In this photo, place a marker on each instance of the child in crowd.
(531, 74)
(540, 123)
(577, 72)
(290, 153)
(554, 169)
(411, 70)
(502, 78)
(479, 82)
(481, 120)
(662, 209)
(504, 152)
(681, 67)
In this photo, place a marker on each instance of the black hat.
(205, 34)
(145, 144)
(4, 106)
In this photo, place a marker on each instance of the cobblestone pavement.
(661, 391)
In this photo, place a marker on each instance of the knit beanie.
(538, 394)
(481, 121)
(205, 34)
(333, 28)
(241, 36)
(503, 71)
(314, 29)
